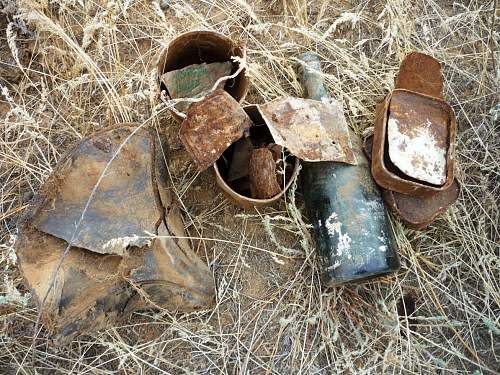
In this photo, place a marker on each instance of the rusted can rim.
(242, 199)
(234, 49)
(392, 181)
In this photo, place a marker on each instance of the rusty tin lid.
(414, 137)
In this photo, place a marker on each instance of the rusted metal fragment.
(112, 220)
(173, 276)
(89, 290)
(194, 81)
(241, 158)
(93, 290)
(417, 135)
(417, 212)
(262, 173)
(211, 126)
(309, 129)
(421, 73)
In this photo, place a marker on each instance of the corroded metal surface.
(211, 126)
(93, 290)
(246, 201)
(262, 174)
(421, 73)
(414, 137)
(417, 136)
(417, 212)
(194, 81)
(197, 47)
(310, 129)
(108, 217)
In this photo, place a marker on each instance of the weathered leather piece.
(92, 290)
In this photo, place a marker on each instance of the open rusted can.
(414, 136)
(196, 59)
(232, 169)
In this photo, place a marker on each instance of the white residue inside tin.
(418, 156)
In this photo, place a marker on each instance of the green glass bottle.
(353, 236)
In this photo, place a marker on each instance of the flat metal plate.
(211, 126)
(311, 130)
(420, 73)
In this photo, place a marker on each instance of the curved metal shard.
(121, 211)
(92, 290)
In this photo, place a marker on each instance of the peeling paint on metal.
(418, 155)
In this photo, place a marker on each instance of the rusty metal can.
(204, 47)
(236, 193)
(352, 232)
(414, 136)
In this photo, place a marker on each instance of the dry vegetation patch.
(69, 68)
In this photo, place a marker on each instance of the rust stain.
(211, 126)
(311, 130)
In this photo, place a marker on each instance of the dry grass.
(78, 68)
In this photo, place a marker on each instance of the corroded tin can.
(243, 200)
(415, 130)
(352, 232)
(197, 47)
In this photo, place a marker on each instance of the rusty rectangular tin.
(385, 173)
